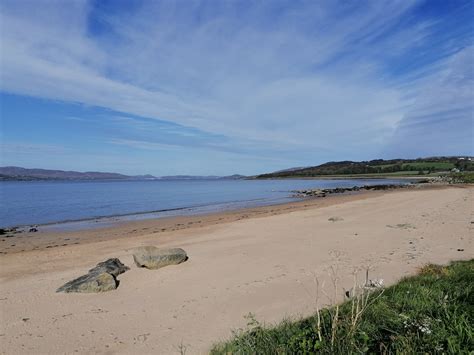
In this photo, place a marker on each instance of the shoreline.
(192, 208)
(262, 261)
(44, 239)
(106, 220)
(135, 216)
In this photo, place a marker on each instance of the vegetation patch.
(463, 178)
(381, 167)
(436, 166)
(432, 312)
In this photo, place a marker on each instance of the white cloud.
(311, 77)
(441, 117)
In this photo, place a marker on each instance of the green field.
(430, 165)
(423, 165)
(430, 313)
(381, 167)
(398, 174)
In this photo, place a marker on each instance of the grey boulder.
(111, 266)
(101, 278)
(152, 257)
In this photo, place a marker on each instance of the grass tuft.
(431, 312)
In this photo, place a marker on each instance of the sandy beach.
(262, 261)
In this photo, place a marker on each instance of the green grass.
(430, 313)
(464, 177)
(401, 173)
(428, 165)
(410, 174)
(423, 165)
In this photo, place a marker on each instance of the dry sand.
(262, 261)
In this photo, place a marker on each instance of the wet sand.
(261, 260)
(47, 237)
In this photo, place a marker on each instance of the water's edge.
(75, 206)
(108, 221)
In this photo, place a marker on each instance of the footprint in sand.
(141, 338)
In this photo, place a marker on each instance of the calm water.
(41, 202)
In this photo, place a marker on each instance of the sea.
(88, 204)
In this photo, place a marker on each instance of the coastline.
(72, 212)
(111, 220)
(262, 261)
(54, 235)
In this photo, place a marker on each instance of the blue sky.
(223, 87)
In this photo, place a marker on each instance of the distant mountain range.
(419, 166)
(15, 173)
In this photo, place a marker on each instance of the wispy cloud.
(442, 115)
(344, 77)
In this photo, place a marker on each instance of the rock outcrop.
(101, 278)
(341, 190)
(152, 257)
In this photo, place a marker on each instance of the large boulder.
(152, 257)
(112, 266)
(101, 278)
(90, 283)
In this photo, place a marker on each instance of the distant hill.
(291, 169)
(22, 174)
(233, 177)
(188, 177)
(380, 166)
(17, 173)
(209, 177)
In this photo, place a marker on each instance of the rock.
(335, 219)
(369, 286)
(111, 266)
(8, 230)
(101, 278)
(377, 283)
(152, 257)
(33, 230)
(91, 283)
(342, 190)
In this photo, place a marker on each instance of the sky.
(221, 87)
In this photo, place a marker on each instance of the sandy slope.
(265, 265)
